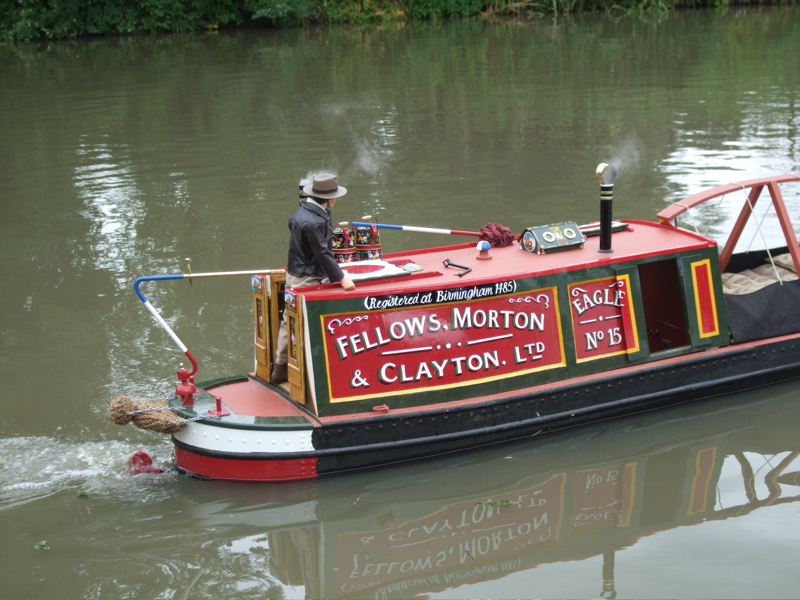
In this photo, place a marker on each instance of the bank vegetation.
(29, 20)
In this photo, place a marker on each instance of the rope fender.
(152, 416)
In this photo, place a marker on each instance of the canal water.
(123, 157)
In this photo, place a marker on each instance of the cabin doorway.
(664, 313)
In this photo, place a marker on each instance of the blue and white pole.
(158, 317)
(163, 323)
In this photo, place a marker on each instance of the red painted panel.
(248, 397)
(245, 470)
(704, 294)
(422, 346)
(602, 318)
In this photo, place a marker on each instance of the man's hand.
(347, 283)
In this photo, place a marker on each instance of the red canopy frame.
(756, 186)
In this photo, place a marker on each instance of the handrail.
(756, 186)
(668, 214)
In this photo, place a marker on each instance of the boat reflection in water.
(415, 530)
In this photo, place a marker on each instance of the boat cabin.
(459, 321)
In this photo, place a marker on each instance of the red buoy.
(140, 462)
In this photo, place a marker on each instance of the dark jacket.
(311, 242)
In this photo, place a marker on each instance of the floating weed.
(85, 494)
(498, 503)
(43, 545)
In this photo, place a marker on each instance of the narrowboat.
(451, 348)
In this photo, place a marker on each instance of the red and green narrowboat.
(457, 347)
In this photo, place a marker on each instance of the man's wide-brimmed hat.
(325, 186)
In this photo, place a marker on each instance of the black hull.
(387, 440)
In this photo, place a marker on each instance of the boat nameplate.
(434, 346)
(603, 318)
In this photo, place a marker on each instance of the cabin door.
(664, 306)
(267, 307)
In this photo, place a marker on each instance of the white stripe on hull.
(245, 441)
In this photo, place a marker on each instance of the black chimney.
(605, 175)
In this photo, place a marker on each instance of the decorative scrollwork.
(539, 299)
(333, 323)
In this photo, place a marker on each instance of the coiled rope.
(153, 416)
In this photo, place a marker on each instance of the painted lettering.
(608, 296)
(390, 372)
(592, 337)
(466, 318)
(528, 352)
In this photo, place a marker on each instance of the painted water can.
(368, 240)
(344, 248)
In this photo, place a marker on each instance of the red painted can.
(368, 240)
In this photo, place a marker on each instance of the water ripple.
(36, 467)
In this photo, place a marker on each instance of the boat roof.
(637, 241)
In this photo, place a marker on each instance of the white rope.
(760, 231)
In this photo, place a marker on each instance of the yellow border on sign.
(420, 390)
(695, 266)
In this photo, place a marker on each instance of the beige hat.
(325, 186)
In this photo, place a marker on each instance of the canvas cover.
(761, 297)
